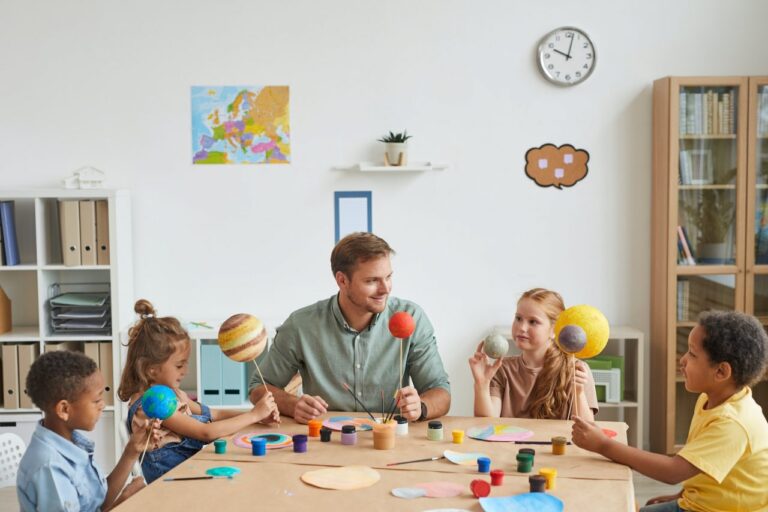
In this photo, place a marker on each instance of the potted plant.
(712, 216)
(396, 148)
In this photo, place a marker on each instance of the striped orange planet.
(242, 337)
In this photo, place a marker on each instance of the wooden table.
(585, 481)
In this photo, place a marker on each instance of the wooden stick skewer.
(346, 386)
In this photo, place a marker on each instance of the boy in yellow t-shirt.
(724, 463)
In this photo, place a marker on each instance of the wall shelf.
(380, 167)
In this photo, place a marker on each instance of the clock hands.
(563, 54)
(569, 48)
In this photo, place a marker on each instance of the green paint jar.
(435, 431)
(524, 462)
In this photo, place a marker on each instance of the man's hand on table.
(308, 408)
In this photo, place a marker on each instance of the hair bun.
(144, 308)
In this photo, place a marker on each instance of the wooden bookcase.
(709, 240)
(628, 343)
(29, 286)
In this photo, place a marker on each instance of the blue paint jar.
(259, 446)
(483, 464)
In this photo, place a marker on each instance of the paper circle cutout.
(343, 478)
(441, 489)
(501, 433)
(538, 501)
(228, 471)
(495, 346)
(336, 422)
(274, 440)
(463, 459)
(409, 493)
(594, 324)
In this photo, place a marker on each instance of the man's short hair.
(58, 375)
(737, 339)
(357, 248)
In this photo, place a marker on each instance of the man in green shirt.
(346, 339)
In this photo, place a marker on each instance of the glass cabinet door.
(708, 166)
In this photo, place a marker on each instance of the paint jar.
(384, 436)
(524, 462)
(558, 445)
(550, 474)
(497, 477)
(314, 428)
(325, 435)
(480, 488)
(220, 446)
(401, 428)
(435, 430)
(299, 443)
(259, 446)
(348, 435)
(458, 436)
(527, 450)
(538, 483)
(483, 464)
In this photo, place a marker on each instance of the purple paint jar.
(348, 435)
(300, 443)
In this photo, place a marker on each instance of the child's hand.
(483, 372)
(587, 435)
(580, 377)
(264, 408)
(141, 430)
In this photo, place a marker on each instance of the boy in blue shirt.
(57, 471)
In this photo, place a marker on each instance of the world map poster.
(240, 125)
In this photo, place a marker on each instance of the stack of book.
(84, 312)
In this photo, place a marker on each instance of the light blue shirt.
(56, 474)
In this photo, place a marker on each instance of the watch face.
(566, 56)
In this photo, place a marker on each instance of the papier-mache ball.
(571, 339)
(242, 337)
(159, 402)
(401, 325)
(591, 321)
(495, 345)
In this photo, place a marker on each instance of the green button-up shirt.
(317, 342)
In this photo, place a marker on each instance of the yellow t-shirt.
(729, 444)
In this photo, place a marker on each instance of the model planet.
(242, 337)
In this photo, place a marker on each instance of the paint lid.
(559, 440)
(401, 419)
(256, 441)
(524, 457)
(435, 424)
(347, 429)
(325, 429)
(548, 472)
(527, 450)
(299, 438)
(480, 488)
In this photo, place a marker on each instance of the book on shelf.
(683, 291)
(8, 226)
(688, 255)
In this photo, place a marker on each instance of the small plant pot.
(396, 154)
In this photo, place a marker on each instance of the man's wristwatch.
(423, 412)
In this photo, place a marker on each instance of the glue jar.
(384, 436)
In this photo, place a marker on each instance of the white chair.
(11, 449)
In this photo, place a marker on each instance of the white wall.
(106, 83)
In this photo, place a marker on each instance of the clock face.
(566, 56)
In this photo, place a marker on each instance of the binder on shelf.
(27, 355)
(232, 381)
(8, 227)
(10, 376)
(6, 320)
(210, 373)
(105, 364)
(102, 232)
(2, 250)
(88, 232)
(69, 223)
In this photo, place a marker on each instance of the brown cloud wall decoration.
(551, 166)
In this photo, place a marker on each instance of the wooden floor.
(646, 488)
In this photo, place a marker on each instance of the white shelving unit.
(628, 343)
(28, 284)
(380, 167)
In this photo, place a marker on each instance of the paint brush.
(438, 457)
(346, 386)
(537, 442)
(383, 419)
(181, 478)
(392, 408)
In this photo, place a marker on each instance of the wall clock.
(566, 56)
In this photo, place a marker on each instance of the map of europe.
(240, 125)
